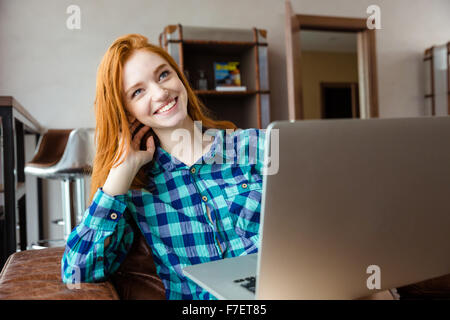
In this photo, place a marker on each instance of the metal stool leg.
(81, 201)
(68, 206)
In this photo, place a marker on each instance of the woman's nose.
(159, 93)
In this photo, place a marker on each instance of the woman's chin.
(170, 122)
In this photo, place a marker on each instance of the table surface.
(9, 101)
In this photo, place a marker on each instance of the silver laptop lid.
(350, 195)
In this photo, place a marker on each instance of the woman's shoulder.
(245, 143)
(245, 132)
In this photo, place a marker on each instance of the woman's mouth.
(168, 107)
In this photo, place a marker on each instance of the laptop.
(357, 206)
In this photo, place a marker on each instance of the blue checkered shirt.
(171, 214)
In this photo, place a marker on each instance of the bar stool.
(66, 155)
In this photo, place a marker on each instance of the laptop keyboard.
(248, 283)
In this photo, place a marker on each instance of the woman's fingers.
(150, 144)
(139, 132)
(138, 136)
(133, 126)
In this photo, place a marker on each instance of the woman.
(195, 199)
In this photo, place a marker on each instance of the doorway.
(339, 100)
(365, 59)
(329, 69)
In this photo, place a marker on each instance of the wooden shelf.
(224, 93)
(216, 47)
(218, 43)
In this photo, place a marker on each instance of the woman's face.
(153, 92)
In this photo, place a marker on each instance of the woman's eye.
(136, 93)
(164, 75)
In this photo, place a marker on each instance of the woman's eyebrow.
(159, 68)
(133, 86)
(140, 82)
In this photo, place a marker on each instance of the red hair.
(111, 118)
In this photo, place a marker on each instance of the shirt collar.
(164, 161)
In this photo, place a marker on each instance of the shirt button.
(244, 185)
(113, 216)
(193, 170)
(205, 198)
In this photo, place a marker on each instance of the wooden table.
(15, 123)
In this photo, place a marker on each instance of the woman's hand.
(136, 158)
(120, 178)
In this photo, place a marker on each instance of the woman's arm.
(119, 180)
(98, 245)
(86, 258)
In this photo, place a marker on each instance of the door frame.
(367, 62)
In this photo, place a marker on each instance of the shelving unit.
(437, 80)
(197, 48)
(16, 122)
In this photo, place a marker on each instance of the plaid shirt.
(171, 213)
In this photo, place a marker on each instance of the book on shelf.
(227, 77)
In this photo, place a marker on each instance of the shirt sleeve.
(85, 257)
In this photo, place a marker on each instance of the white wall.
(51, 70)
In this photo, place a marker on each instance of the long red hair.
(111, 118)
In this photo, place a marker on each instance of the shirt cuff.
(105, 211)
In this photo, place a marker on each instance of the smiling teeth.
(166, 108)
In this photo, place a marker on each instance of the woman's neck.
(185, 142)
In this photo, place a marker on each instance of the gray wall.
(51, 70)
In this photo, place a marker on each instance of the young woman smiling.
(194, 206)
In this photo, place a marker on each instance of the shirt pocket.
(244, 204)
